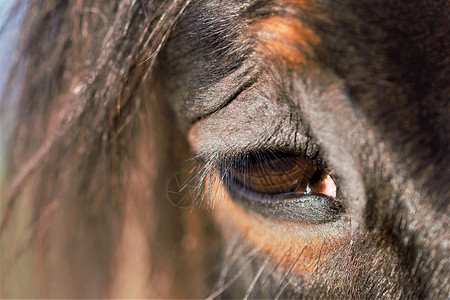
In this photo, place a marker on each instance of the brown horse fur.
(107, 100)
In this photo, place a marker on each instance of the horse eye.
(284, 174)
(283, 186)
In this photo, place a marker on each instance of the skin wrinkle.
(257, 113)
(214, 97)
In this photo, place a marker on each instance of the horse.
(227, 149)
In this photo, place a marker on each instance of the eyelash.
(264, 181)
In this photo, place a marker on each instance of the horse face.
(322, 128)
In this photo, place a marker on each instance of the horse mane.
(90, 146)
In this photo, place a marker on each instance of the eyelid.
(310, 208)
(253, 122)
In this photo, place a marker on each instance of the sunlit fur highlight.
(284, 39)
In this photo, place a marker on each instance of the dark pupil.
(277, 175)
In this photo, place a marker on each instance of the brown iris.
(285, 174)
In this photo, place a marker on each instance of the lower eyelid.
(292, 207)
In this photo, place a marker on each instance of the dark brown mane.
(88, 155)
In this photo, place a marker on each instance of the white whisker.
(248, 259)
